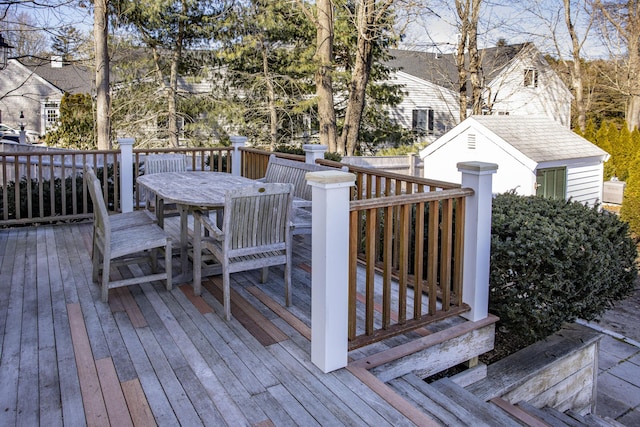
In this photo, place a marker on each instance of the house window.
(51, 114)
(422, 121)
(530, 77)
(552, 183)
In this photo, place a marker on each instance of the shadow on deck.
(155, 357)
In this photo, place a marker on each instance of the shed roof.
(540, 138)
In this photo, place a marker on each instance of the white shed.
(535, 155)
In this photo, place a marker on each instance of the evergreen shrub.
(554, 261)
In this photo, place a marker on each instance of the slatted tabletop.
(155, 357)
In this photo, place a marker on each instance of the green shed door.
(551, 183)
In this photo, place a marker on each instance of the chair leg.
(287, 284)
(226, 297)
(167, 264)
(265, 274)
(197, 255)
(154, 259)
(106, 266)
(95, 259)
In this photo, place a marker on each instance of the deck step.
(485, 411)
(555, 418)
(450, 404)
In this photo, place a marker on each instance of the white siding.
(584, 183)
(420, 94)
(551, 97)
(512, 174)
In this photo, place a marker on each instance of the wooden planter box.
(560, 372)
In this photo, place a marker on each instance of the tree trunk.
(103, 105)
(172, 101)
(324, 82)
(463, 14)
(359, 78)
(271, 101)
(576, 69)
(475, 67)
(633, 105)
(462, 77)
(172, 93)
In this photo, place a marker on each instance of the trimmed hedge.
(554, 261)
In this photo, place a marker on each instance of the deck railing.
(409, 229)
(47, 186)
(410, 232)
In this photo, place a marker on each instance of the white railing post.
(411, 158)
(313, 152)
(330, 268)
(477, 237)
(236, 157)
(126, 174)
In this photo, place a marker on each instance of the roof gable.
(441, 68)
(539, 138)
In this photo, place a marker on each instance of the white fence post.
(313, 152)
(330, 268)
(236, 157)
(477, 237)
(126, 174)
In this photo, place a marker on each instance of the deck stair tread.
(485, 411)
(450, 403)
(430, 400)
(555, 418)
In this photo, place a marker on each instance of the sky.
(431, 30)
(517, 22)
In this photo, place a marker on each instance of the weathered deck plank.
(11, 348)
(152, 356)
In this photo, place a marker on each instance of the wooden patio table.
(190, 190)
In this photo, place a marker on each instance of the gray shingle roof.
(540, 138)
(441, 68)
(70, 78)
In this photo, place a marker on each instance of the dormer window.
(531, 77)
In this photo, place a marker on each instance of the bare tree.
(622, 24)
(370, 20)
(576, 69)
(100, 32)
(576, 16)
(323, 22)
(468, 14)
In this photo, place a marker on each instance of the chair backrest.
(257, 219)
(101, 216)
(158, 163)
(285, 170)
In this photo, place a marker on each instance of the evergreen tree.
(630, 211)
(75, 129)
(67, 42)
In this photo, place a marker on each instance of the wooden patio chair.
(121, 239)
(294, 172)
(160, 163)
(256, 233)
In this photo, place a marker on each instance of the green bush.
(554, 261)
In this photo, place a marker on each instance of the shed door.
(552, 183)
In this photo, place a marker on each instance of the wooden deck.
(166, 358)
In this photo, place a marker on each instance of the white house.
(35, 89)
(517, 80)
(427, 108)
(535, 155)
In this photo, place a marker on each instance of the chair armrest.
(301, 203)
(209, 225)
